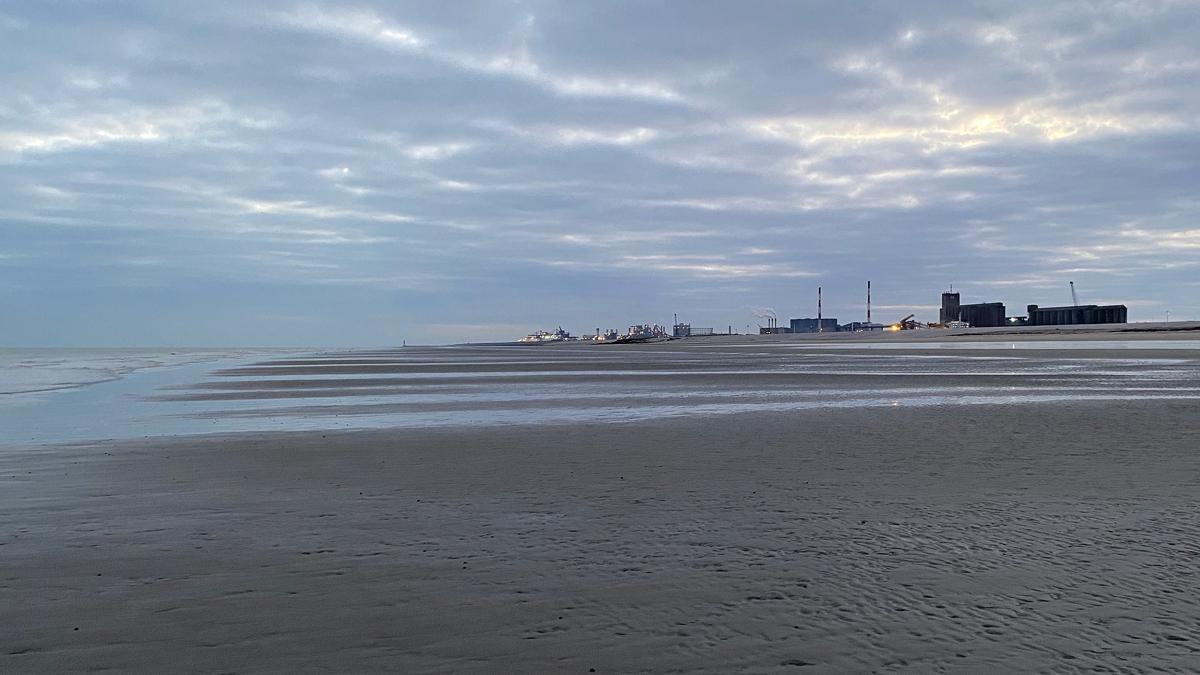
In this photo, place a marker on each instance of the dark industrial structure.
(861, 327)
(682, 330)
(950, 308)
(773, 327)
(818, 325)
(982, 315)
(991, 314)
(1078, 314)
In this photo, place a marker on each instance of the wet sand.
(1053, 537)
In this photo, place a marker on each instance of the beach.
(695, 506)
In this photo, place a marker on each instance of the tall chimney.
(820, 328)
(868, 302)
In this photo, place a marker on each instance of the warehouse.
(982, 315)
(818, 325)
(1074, 315)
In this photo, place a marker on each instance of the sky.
(357, 173)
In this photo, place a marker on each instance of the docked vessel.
(540, 336)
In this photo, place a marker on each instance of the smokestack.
(820, 328)
(868, 302)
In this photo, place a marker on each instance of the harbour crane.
(907, 323)
(1077, 314)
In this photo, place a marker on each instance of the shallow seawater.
(472, 386)
(24, 371)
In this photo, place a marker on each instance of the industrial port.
(952, 314)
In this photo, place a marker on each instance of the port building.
(862, 327)
(1075, 315)
(991, 314)
(978, 315)
(982, 315)
(820, 325)
(950, 308)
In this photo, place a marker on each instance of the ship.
(541, 336)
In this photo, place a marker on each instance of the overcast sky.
(310, 173)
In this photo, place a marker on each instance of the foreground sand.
(1015, 538)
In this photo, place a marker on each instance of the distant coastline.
(1175, 330)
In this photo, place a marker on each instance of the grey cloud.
(398, 167)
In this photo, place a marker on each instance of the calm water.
(72, 395)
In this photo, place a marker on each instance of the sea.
(52, 396)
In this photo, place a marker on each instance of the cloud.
(517, 64)
(303, 209)
(695, 270)
(530, 164)
(335, 172)
(435, 151)
(570, 136)
(960, 129)
(55, 128)
(353, 24)
(12, 23)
